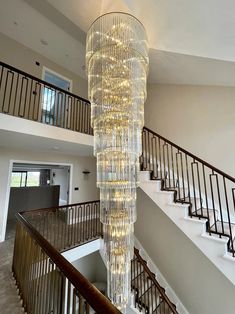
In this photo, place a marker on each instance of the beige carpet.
(9, 300)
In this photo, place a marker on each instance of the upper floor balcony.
(34, 110)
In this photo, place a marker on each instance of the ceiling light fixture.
(43, 42)
(117, 65)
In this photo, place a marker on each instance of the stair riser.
(193, 228)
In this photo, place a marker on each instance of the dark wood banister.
(145, 128)
(152, 277)
(42, 82)
(95, 298)
(54, 208)
(193, 156)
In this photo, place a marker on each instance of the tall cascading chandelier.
(117, 66)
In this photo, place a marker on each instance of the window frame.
(45, 69)
(49, 116)
(25, 180)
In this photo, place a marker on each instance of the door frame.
(11, 162)
(44, 69)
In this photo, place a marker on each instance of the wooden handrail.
(209, 191)
(193, 156)
(95, 298)
(152, 277)
(11, 68)
(54, 208)
(145, 128)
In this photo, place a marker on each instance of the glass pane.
(48, 99)
(18, 179)
(23, 178)
(57, 80)
(33, 178)
(15, 179)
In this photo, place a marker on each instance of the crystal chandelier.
(117, 65)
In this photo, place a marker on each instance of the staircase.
(149, 296)
(196, 196)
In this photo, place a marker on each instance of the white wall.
(92, 267)
(19, 56)
(87, 186)
(201, 287)
(61, 177)
(197, 118)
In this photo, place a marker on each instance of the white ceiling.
(175, 68)
(32, 27)
(200, 28)
(25, 142)
(191, 42)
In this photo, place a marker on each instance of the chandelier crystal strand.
(117, 66)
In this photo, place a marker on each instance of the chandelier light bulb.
(117, 65)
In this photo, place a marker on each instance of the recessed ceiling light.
(43, 42)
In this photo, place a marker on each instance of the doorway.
(34, 186)
(54, 102)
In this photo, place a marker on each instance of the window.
(33, 178)
(18, 179)
(25, 178)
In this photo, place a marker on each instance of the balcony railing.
(46, 281)
(67, 226)
(25, 96)
(209, 192)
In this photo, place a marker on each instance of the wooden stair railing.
(209, 191)
(149, 296)
(47, 282)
